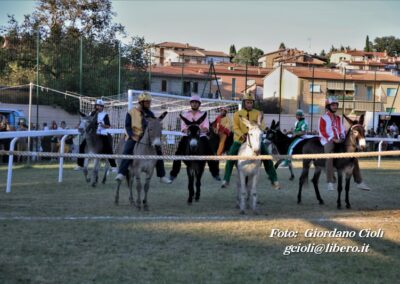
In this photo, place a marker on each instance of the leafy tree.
(390, 44)
(232, 50)
(367, 44)
(282, 46)
(249, 55)
(322, 53)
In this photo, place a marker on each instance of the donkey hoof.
(116, 203)
(321, 202)
(348, 206)
(189, 202)
(197, 199)
(291, 178)
(242, 212)
(339, 207)
(146, 208)
(94, 184)
(298, 201)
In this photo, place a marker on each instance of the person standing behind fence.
(5, 143)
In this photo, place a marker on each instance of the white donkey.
(248, 171)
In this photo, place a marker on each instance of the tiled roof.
(171, 44)
(214, 53)
(176, 71)
(329, 74)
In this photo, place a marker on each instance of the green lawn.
(208, 242)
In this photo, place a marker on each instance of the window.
(313, 109)
(195, 87)
(369, 93)
(391, 92)
(317, 88)
(163, 85)
(214, 82)
(389, 109)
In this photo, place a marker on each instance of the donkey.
(248, 171)
(194, 147)
(94, 145)
(145, 146)
(354, 140)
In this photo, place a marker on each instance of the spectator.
(22, 143)
(54, 139)
(4, 143)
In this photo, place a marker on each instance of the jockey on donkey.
(135, 124)
(240, 130)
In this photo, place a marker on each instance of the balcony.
(361, 105)
(338, 86)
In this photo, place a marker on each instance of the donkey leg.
(243, 193)
(339, 189)
(315, 179)
(347, 188)
(291, 171)
(254, 193)
(116, 200)
(130, 180)
(190, 186)
(198, 185)
(146, 190)
(106, 170)
(85, 169)
(303, 178)
(139, 191)
(95, 173)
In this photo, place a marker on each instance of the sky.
(215, 25)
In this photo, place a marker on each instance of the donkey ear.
(361, 121)
(273, 124)
(201, 119)
(277, 125)
(260, 120)
(82, 114)
(163, 115)
(349, 121)
(185, 120)
(246, 122)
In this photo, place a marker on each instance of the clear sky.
(215, 25)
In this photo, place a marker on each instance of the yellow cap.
(144, 97)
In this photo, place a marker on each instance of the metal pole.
(245, 82)
(373, 107)
(391, 108)
(130, 99)
(183, 62)
(280, 93)
(30, 117)
(344, 92)
(37, 83)
(80, 65)
(119, 70)
(150, 69)
(10, 164)
(312, 98)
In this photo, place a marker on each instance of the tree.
(368, 44)
(322, 53)
(282, 46)
(390, 44)
(232, 52)
(249, 55)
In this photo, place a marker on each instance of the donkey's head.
(274, 133)
(87, 124)
(356, 133)
(254, 134)
(153, 130)
(193, 131)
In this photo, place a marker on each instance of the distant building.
(297, 90)
(289, 57)
(166, 53)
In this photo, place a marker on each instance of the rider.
(135, 124)
(331, 131)
(223, 127)
(301, 126)
(193, 115)
(103, 123)
(240, 132)
(300, 129)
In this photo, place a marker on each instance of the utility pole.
(183, 63)
(373, 107)
(344, 92)
(312, 98)
(280, 92)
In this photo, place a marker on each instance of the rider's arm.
(205, 125)
(128, 125)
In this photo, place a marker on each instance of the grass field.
(72, 233)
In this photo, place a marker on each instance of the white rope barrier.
(203, 158)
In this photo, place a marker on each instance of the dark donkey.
(355, 139)
(194, 147)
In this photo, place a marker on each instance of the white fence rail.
(15, 135)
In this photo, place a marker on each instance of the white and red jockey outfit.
(330, 127)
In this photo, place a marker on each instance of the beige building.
(289, 57)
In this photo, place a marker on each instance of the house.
(166, 53)
(363, 60)
(307, 89)
(231, 79)
(289, 57)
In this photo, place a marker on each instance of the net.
(117, 107)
